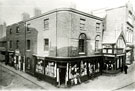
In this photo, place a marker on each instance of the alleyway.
(121, 81)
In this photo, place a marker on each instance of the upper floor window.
(10, 44)
(28, 44)
(10, 31)
(46, 44)
(28, 27)
(17, 44)
(97, 27)
(82, 43)
(97, 43)
(17, 29)
(46, 24)
(82, 24)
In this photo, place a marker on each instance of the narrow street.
(10, 80)
(117, 82)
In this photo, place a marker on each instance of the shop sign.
(107, 46)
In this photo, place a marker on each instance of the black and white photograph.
(67, 45)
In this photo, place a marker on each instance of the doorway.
(62, 75)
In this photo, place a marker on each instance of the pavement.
(42, 84)
(104, 82)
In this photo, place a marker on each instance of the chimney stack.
(25, 16)
(37, 12)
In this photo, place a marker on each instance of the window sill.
(81, 52)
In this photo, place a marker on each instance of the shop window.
(97, 67)
(46, 44)
(17, 44)
(46, 24)
(74, 72)
(82, 43)
(28, 44)
(17, 29)
(97, 43)
(50, 69)
(40, 66)
(10, 44)
(91, 68)
(28, 65)
(83, 68)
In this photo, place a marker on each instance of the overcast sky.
(11, 10)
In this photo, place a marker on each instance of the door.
(62, 76)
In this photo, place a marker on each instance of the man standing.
(125, 69)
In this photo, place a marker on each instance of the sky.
(11, 10)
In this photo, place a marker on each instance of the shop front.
(129, 53)
(67, 71)
(10, 58)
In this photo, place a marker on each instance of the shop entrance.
(62, 75)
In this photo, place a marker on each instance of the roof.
(61, 9)
(112, 37)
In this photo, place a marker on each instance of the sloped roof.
(112, 37)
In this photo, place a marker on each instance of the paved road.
(130, 87)
(10, 80)
(115, 82)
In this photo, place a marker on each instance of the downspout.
(25, 45)
(56, 32)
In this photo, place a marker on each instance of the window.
(17, 44)
(82, 24)
(46, 44)
(82, 43)
(10, 44)
(17, 29)
(28, 44)
(28, 63)
(10, 31)
(28, 27)
(46, 24)
(97, 27)
(40, 66)
(97, 43)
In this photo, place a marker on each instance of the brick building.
(57, 33)
(2, 41)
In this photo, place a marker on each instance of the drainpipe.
(56, 32)
(24, 67)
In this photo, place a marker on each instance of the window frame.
(10, 31)
(17, 29)
(10, 44)
(46, 44)
(28, 44)
(46, 24)
(28, 27)
(17, 44)
(98, 27)
(82, 40)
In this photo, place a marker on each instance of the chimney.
(37, 12)
(25, 16)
